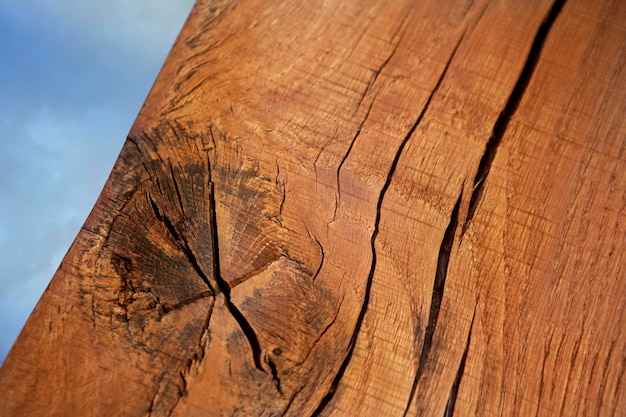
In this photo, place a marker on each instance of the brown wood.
(354, 208)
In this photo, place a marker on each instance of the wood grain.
(374, 208)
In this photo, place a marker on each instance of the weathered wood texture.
(354, 208)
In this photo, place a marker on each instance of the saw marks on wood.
(354, 208)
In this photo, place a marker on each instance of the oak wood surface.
(376, 208)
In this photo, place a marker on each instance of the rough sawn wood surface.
(342, 208)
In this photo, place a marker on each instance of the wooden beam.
(385, 208)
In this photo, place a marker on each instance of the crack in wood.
(254, 273)
(281, 187)
(187, 301)
(322, 252)
(376, 73)
(182, 244)
(274, 372)
(215, 286)
(440, 279)
(343, 160)
(244, 324)
(401, 28)
(322, 256)
(180, 198)
(335, 383)
(324, 331)
(196, 357)
(454, 391)
(153, 401)
(437, 296)
(509, 110)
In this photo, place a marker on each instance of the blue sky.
(73, 76)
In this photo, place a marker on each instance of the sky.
(73, 76)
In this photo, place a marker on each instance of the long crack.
(220, 284)
(245, 326)
(438, 287)
(182, 243)
(354, 138)
(509, 110)
(376, 73)
(440, 279)
(454, 391)
(370, 278)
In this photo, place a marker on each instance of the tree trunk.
(354, 208)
